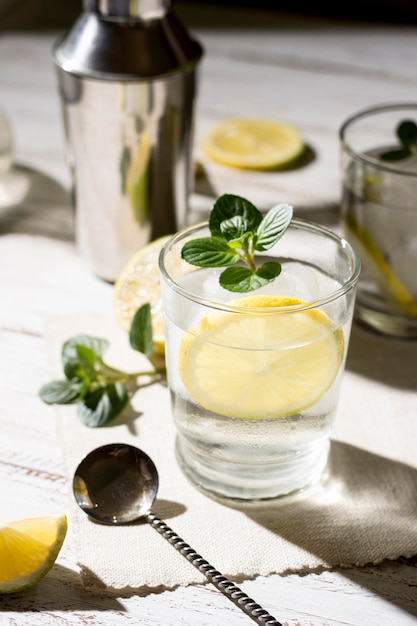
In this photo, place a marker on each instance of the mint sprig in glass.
(239, 230)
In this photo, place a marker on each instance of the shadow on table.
(33, 203)
(60, 590)
(364, 512)
(390, 361)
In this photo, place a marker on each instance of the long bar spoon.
(117, 484)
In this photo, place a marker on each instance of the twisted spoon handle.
(223, 584)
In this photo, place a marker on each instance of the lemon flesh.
(253, 144)
(28, 549)
(138, 284)
(261, 365)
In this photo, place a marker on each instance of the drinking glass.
(254, 378)
(379, 217)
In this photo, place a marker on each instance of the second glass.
(254, 378)
(379, 214)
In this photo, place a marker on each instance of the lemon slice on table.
(261, 365)
(253, 144)
(138, 284)
(28, 549)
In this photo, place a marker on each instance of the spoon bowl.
(117, 484)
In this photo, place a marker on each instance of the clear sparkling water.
(249, 458)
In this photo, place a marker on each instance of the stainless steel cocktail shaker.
(127, 74)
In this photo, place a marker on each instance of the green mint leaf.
(226, 207)
(86, 382)
(61, 391)
(70, 355)
(234, 228)
(243, 244)
(396, 155)
(243, 279)
(237, 279)
(407, 133)
(273, 226)
(268, 271)
(103, 405)
(140, 336)
(209, 252)
(88, 360)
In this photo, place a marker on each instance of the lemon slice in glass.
(28, 549)
(261, 365)
(253, 144)
(138, 284)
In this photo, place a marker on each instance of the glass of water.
(254, 378)
(379, 215)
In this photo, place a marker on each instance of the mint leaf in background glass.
(396, 155)
(238, 229)
(406, 132)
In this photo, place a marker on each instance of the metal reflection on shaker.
(127, 75)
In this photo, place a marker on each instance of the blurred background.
(50, 14)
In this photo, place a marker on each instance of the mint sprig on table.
(239, 230)
(101, 392)
(406, 132)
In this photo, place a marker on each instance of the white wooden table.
(312, 73)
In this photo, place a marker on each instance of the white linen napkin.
(365, 510)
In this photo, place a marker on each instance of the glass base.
(253, 483)
(384, 321)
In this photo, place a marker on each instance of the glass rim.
(369, 160)
(222, 306)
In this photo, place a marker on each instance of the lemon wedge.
(138, 284)
(28, 549)
(261, 365)
(253, 144)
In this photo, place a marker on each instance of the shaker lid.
(126, 40)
